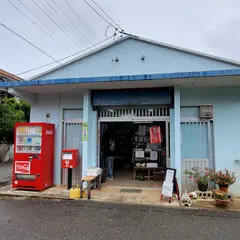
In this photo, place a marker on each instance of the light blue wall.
(197, 131)
(89, 146)
(226, 102)
(157, 60)
(93, 140)
(175, 136)
(189, 112)
(54, 104)
(197, 148)
(172, 139)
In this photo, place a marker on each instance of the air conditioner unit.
(206, 112)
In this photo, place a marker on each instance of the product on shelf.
(29, 139)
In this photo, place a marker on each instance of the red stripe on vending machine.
(33, 156)
(155, 134)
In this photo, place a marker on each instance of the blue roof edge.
(141, 77)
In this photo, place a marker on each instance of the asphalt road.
(5, 173)
(46, 219)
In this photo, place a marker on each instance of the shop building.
(130, 85)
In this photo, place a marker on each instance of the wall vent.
(206, 111)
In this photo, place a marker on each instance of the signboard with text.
(22, 167)
(85, 131)
(170, 185)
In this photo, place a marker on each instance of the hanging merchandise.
(155, 134)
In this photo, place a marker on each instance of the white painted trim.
(196, 159)
(193, 119)
(163, 119)
(74, 120)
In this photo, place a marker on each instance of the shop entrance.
(137, 162)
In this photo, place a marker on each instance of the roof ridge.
(190, 51)
(131, 36)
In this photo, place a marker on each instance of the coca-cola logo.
(22, 167)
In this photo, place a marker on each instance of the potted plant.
(222, 179)
(221, 198)
(200, 176)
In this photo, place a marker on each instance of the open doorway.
(137, 162)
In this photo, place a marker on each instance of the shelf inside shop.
(31, 152)
(29, 135)
(29, 145)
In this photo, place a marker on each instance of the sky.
(207, 26)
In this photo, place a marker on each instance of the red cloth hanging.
(155, 134)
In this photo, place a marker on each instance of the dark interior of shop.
(129, 137)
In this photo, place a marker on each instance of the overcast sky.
(206, 26)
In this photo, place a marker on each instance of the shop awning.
(218, 78)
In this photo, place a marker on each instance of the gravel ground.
(47, 219)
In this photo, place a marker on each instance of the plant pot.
(223, 188)
(222, 203)
(202, 187)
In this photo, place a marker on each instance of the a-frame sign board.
(170, 184)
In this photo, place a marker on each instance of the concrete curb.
(9, 195)
(198, 211)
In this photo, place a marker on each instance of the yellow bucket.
(75, 193)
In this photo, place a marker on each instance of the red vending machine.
(33, 156)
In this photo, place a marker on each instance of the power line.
(9, 29)
(79, 18)
(101, 15)
(82, 41)
(72, 22)
(45, 24)
(72, 55)
(53, 21)
(107, 15)
(60, 25)
(37, 25)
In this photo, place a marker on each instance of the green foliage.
(199, 175)
(11, 111)
(25, 107)
(223, 178)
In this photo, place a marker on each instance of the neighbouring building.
(7, 77)
(132, 84)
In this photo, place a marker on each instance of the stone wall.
(6, 153)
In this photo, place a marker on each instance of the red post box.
(70, 158)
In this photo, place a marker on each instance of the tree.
(25, 107)
(12, 111)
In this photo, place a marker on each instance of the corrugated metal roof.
(9, 76)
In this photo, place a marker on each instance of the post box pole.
(69, 178)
